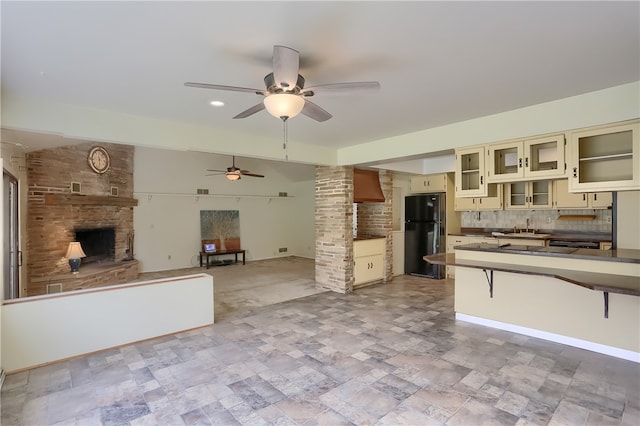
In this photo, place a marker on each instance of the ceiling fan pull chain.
(286, 138)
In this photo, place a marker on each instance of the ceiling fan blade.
(312, 110)
(354, 87)
(286, 64)
(215, 174)
(219, 171)
(246, 173)
(256, 108)
(221, 87)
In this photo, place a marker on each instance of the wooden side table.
(209, 255)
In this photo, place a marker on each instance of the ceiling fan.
(234, 173)
(285, 95)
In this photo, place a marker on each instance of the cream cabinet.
(605, 245)
(493, 200)
(470, 173)
(453, 241)
(429, 183)
(563, 199)
(528, 159)
(368, 258)
(482, 240)
(529, 195)
(606, 158)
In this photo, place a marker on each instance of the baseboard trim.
(558, 338)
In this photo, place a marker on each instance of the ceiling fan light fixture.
(282, 105)
(233, 176)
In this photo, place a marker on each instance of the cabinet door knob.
(526, 162)
(575, 172)
(520, 162)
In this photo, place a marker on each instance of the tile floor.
(388, 354)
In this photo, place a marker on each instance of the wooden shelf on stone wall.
(88, 200)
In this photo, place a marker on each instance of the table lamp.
(74, 254)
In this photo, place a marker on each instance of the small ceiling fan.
(234, 173)
(285, 95)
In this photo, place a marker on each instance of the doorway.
(11, 244)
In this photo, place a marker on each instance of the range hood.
(366, 186)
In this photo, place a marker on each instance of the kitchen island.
(580, 297)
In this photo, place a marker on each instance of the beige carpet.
(239, 287)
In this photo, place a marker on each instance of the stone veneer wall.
(334, 232)
(334, 225)
(377, 219)
(50, 227)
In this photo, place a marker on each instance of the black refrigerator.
(424, 233)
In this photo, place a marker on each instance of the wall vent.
(76, 187)
(282, 194)
(54, 288)
(282, 250)
(202, 191)
(114, 191)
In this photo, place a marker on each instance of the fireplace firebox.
(98, 244)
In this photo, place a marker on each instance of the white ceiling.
(437, 63)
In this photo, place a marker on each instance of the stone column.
(334, 232)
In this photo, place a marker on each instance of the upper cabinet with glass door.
(470, 172)
(605, 158)
(528, 159)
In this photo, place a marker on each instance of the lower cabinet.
(452, 241)
(368, 260)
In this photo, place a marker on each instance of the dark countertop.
(554, 234)
(622, 284)
(621, 255)
(368, 237)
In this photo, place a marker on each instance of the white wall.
(43, 329)
(167, 218)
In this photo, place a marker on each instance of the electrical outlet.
(548, 219)
(608, 219)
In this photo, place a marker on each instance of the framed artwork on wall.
(220, 227)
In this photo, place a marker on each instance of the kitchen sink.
(520, 247)
(526, 235)
(552, 249)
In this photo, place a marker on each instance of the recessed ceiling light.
(216, 103)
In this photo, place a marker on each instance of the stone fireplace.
(57, 216)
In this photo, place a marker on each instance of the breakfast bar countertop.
(607, 282)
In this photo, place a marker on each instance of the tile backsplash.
(539, 219)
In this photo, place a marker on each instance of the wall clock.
(99, 159)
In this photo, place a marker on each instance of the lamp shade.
(284, 104)
(75, 251)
